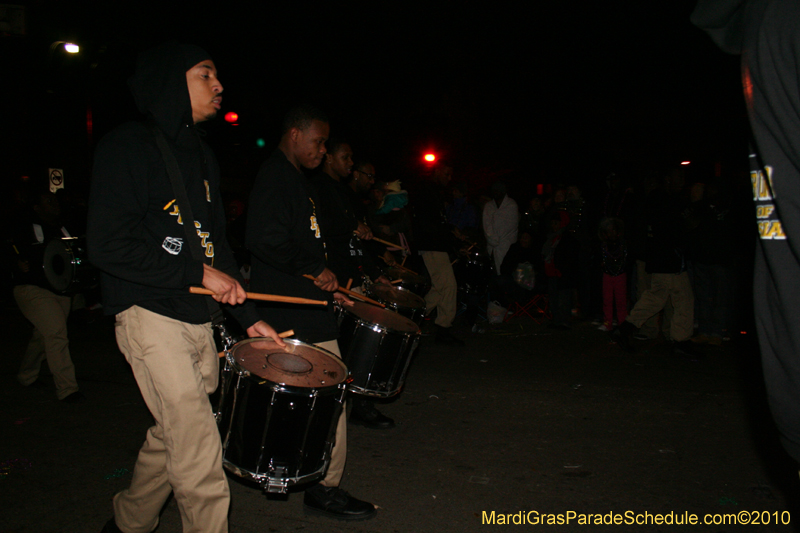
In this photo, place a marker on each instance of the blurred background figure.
(500, 224)
(46, 310)
(560, 252)
(614, 263)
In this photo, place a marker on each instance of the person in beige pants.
(139, 235)
(44, 309)
(48, 313)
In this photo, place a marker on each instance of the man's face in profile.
(204, 91)
(309, 144)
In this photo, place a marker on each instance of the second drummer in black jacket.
(337, 217)
(287, 242)
(346, 257)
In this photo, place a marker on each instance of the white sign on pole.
(56, 179)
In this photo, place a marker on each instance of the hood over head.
(159, 84)
(723, 20)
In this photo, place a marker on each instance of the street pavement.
(524, 419)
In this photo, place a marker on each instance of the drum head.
(381, 317)
(396, 295)
(297, 365)
(59, 269)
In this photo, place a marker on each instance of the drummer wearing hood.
(136, 236)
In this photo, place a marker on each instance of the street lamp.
(69, 47)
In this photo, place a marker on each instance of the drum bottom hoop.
(275, 484)
(277, 436)
(361, 391)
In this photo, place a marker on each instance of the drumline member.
(434, 239)
(139, 238)
(336, 214)
(46, 310)
(362, 181)
(287, 242)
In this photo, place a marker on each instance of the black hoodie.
(767, 34)
(135, 231)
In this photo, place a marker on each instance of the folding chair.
(537, 309)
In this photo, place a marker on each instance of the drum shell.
(274, 434)
(377, 357)
(473, 271)
(64, 267)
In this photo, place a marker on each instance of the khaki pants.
(444, 290)
(651, 327)
(664, 288)
(48, 313)
(339, 453)
(176, 366)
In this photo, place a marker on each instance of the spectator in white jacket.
(500, 223)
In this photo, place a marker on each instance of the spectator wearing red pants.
(614, 262)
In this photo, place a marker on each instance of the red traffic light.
(429, 158)
(231, 117)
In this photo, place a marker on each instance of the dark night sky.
(555, 92)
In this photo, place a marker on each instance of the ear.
(294, 134)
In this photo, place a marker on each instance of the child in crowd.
(614, 259)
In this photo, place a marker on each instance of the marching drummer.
(337, 214)
(151, 252)
(287, 242)
(46, 310)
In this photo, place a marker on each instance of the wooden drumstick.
(350, 293)
(401, 267)
(282, 335)
(264, 297)
(349, 284)
(387, 243)
(390, 244)
(395, 282)
(465, 251)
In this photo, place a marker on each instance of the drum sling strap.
(179, 189)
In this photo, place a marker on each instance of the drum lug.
(277, 482)
(227, 340)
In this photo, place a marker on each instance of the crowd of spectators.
(606, 257)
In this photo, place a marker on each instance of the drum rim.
(385, 329)
(393, 304)
(294, 342)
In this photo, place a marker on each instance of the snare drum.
(278, 411)
(415, 283)
(399, 300)
(64, 268)
(472, 271)
(377, 346)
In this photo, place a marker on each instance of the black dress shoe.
(622, 335)
(686, 350)
(370, 418)
(445, 336)
(111, 527)
(75, 397)
(333, 502)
